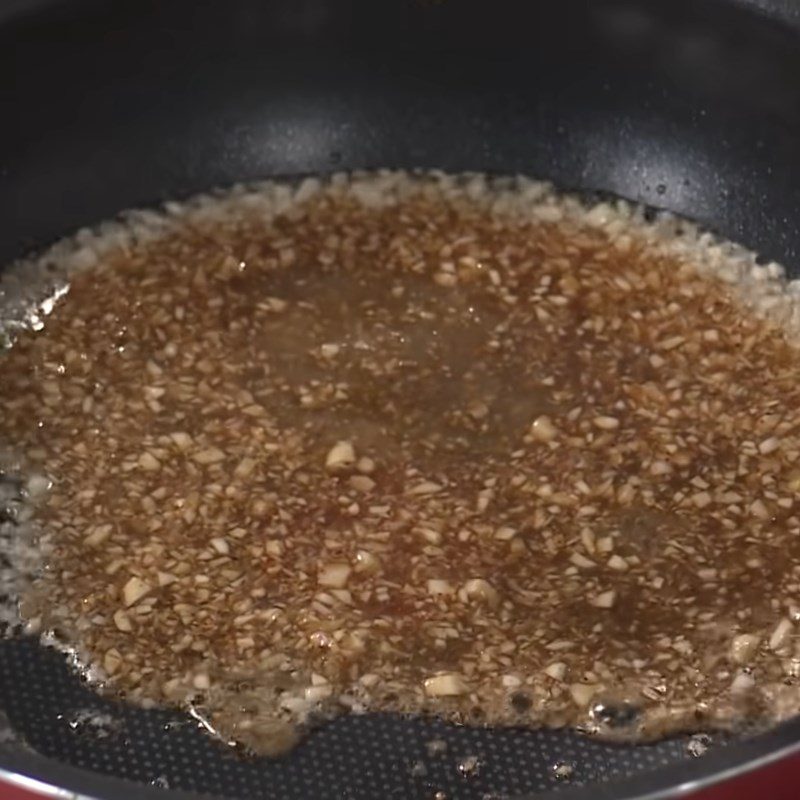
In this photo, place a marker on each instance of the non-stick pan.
(690, 105)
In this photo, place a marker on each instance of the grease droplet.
(563, 771)
(418, 770)
(470, 766)
(436, 747)
(698, 745)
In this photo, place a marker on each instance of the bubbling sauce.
(424, 444)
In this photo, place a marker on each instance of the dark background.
(692, 105)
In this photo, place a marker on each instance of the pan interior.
(694, 108)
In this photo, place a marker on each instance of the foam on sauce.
(415, 443)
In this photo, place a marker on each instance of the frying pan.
(690, 105)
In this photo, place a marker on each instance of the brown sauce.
(422, 456)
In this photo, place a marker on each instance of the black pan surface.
(691, 105)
